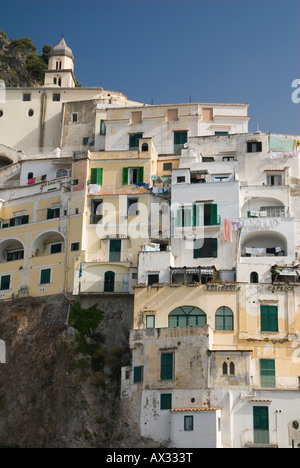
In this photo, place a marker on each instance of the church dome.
(62, 49)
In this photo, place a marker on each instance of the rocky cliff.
(20, 65)
(60, 384)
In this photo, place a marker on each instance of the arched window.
(30, 175)
(224, 318)
(145, 147)
(109, 281)
(225, 368)
(253, 277)
(62, 173)
(232, 369)
(187, 316)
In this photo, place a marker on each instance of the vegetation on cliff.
(20, 65)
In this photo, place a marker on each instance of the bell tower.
(60, 71)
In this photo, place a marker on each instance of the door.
(115, 250)
(261, 424)
(109, 281)
(126, 282)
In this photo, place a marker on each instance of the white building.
(223, 354)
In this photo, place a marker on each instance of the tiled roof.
(202, 408)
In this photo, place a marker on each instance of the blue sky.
(173, 51)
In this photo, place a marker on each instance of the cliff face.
(57, 390)
(20, 66)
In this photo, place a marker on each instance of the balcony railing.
(95, 218)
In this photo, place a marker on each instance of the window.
(254, 146)
(267, 373)
(172, 115)
(228, 158)
(74, 246)
(1, 113)
(45, 276)
(96, 211)
(62, 173)
(183, 217)
(102, 127)
(5, 282)
(185, 316)
(221, 133)
(30, 112)
(74, 117)
(26, 97)
(30, 175)
(132, 206)
(134, 140)
(152, 279)
(14, 255)
(166, 401)
(180, 138)
(188, 423)
(224, 318)
(109, 281)
(274, 179)
(85, 141)
(167, 362)
(206, 248)
(115, 250)
(58, 65)
(253, 277)
(145, 147)
(53, 213)
(56, 248)
(150, 321)
(269, 318)
(96, 176)
(56, 97)
(138, 374)
(133, 175)
(205, 214)
(19, 220)
(231, 368)
(167, 166)
(207, 113)
(136, 117)
(180, 179)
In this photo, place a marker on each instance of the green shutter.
(12, 222)
(267, 373)
(214, 247)
(138, 374)
(167, 366)
(269, 318)
(125, 175)
(196, 215)
(188, 214)
(178, 219)
(141, 175)
(5, 282)
(25, 219)
(96, 176)
(45, 276)
(166, 401)
(214, 214)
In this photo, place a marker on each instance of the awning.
(287, 271)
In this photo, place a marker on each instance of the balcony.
(95, 218)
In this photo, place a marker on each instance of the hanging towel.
(225, 230)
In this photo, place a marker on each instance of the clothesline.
(230, 226)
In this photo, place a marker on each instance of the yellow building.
(117, 191)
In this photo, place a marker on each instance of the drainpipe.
(42, 120)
